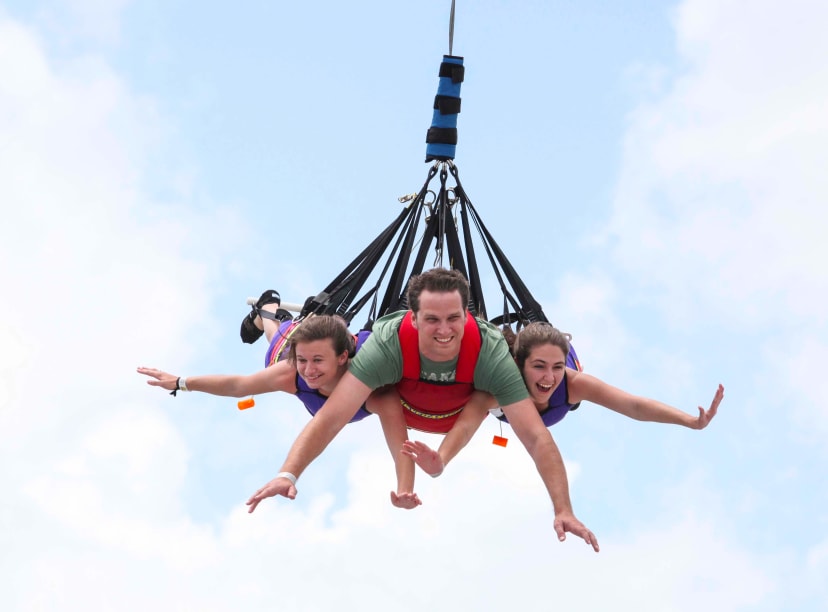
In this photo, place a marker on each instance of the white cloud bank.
(722, 192)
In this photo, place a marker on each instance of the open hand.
(161, 379)
(422, 454)
(277, 486)
(407, 501)
(705, 416)
(567, 522)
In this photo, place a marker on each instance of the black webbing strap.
(447, 105)
(474, 275)
(394, 298)
(438, 135)
(412, 214)
(523, 299)
(390, 257)
(403, 245)
(458, 262)
(457, 72)
(351, 279)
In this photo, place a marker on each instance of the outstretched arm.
(530, 430)
(278, 377)
(341, 406)
(434, 462)
(585, 387)
(386, 405)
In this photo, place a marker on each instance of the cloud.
(99, 271)
(720, 198)
(93, 22)
(800, 371)
(477, 542)
(716, 228)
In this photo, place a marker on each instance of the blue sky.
(655, 172)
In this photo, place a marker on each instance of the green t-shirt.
(379, 362)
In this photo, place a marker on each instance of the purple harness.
(559, 404)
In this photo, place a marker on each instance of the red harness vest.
(445, 400)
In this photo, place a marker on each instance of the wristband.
(180, 385)
(287, 475)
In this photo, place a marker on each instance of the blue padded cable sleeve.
(441, 139)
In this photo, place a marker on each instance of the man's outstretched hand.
(567, 522)
(278, 486)
(422, 454)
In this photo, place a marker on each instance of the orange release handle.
(246, 403)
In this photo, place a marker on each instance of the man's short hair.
(437, 280)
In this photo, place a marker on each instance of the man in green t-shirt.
(438, 300)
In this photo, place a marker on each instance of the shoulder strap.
(286, 330)
(469, 351)
(410, 345)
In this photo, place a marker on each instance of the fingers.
(717, 399)
(592, 541)
(586, 535)
(429, 460)
(406, 501)
(398, 501)
(706, 416)
(415, 449)
(413, 499)
(703, 419)
(416, 446)
(268, 491)
(157, 378)
(577, 528)
(256, 498)
(559, 529)
(431, 463)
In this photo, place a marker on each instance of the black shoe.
(249, 332)
(280, 315)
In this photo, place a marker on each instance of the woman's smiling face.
(319, 365)
(543, 372)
